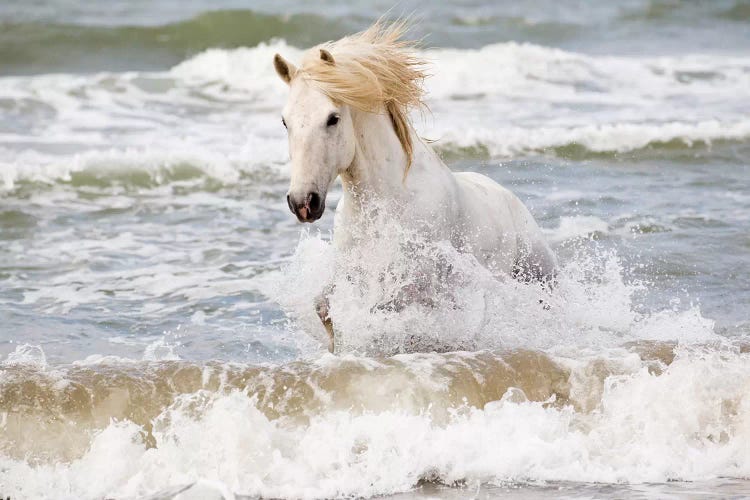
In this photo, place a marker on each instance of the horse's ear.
(284, 68)
(326, 56)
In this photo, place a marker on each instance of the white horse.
(347, 116)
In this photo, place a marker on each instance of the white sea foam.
(26, 354)
(617, 137)
(157, 165)
(577, 226)
(248, 70)
(686, 424)
(469, 308)
(218, 114)
(218, 111)
(632, 425)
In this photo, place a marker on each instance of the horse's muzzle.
(308, 207)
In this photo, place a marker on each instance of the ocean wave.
(52, 47)
(658, 11)
(137, 169)
(566, 102)
(183, 165)
(518, 69)
(44, 41)
(577, 227)
(176, 162)
(590, 140)
(360, 427)
(215, 114)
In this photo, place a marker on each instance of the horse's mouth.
(309, 209)
(305, 215)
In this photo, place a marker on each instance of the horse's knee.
(322, 308)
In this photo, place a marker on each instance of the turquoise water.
(156, 322)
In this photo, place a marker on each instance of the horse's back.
(486, 200)
(496, 219)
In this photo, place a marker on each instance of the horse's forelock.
(372, 70)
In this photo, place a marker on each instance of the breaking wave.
(349, 426)
(54, 47)
(215, 115)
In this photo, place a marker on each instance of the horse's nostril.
(289, 203)
(307, 209)
(314, 202)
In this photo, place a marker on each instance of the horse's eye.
(333, 119)
(283, 121)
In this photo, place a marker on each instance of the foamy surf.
(593, 304)
(339, 427)
(157, 331)
(531, 99)
(593, 389)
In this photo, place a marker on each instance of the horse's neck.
(379, 160)
(374, 184)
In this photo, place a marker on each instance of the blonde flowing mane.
(371, 71)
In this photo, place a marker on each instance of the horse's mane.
(372, 70)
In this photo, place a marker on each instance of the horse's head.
(321, 140)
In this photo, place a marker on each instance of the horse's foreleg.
(322, 307)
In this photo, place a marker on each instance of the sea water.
(157, 330)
